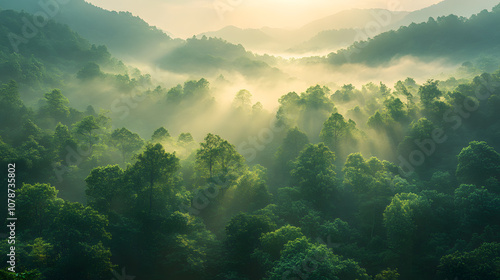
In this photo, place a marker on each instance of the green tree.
(274, 242)
(476, 207)
(90, 71)
(56, 106)
(387, 274)
(429, 92)
(12, 110)
(294, 142)
(377, 121)
(76, 223)
(243, 233)
(26, 275)
(198, 89)
(63, 140)
(335, 129)
(403, 90)
(78, 234)
(42, 253)
(154, 166)
(104, 184)
(250, 193)
(161, 134)
(86, 128)
(314, 174)
(345, 94)
(303, 260)
(396, 109)
(477, 163)
(370, 180)
(243, 100)
(482, 263)
(185, 138)
(217, 155)
(400, 221)
(127, 142)
(175, 94)
(37, 207)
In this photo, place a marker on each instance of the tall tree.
(12, 109)
(154, 166)
(217, 155)
(63, 139)
(301, 259)
(400, 220)
(242, 237)
(429, 92)
(161, 134)
(294, 142)
(127, 142)
(482, 263)
(56, 106)
(335, 129)
(37, 206)
(86, 128)
(477, 163)
(314, 174)
(243, 100)
(103, 186)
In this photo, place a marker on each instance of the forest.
(213, 162)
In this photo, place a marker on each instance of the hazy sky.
(184, 18)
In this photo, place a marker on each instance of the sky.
(185, 18)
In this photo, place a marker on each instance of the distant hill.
(250, 38)
(339, 38)
(465, 8)
(327, 40)
(279, 39)
(212, 56)
(454, 38)
(350, 19)
(51, 53)
(132, 39)
(127, 36)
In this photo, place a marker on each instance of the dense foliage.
(450, 37)
(378, 182)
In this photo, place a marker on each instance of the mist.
(198, 158)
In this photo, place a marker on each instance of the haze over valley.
(238, 140)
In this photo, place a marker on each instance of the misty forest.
(363, 146)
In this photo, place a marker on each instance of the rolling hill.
(134, 41)
(51, 53)
(447, 7)
(454, 38)
(333, 39)
(280, 39)
(127, 37)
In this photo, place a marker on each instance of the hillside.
(327, 40)
(128, 37)
(211, 56)
(281, 39)
(343, 36)
(456, 39)
(250, 38)
(53, 52)
(351, 19)
(133, 40)
(205, 161)
(463, 8)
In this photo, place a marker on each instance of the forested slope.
(366, 182)
(452, 38)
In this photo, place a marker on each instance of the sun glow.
(187, 18)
